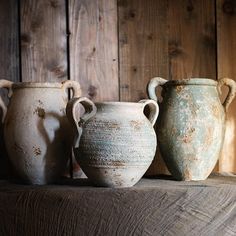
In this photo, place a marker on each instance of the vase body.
(37, 134)
(191, 127)
(118, 144)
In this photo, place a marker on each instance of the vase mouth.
(37, 85)
(192, 81)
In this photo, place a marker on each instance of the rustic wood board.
(94, 48)
(192, 46)
(9, 58)
(143, 52)
(173, 39)
(226, 41)
(143, 46)
(192, 40)
(43, 40)
(152, 207)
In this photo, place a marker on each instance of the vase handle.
(231, 84)
(75, 117)
(153, 83)
(74, 85)
(8, 85)
(154, 109)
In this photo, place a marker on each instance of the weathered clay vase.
(117, 145)
(37, 133)
(191, 124)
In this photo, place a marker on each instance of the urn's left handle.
(76, 118)
(74, 85)
(8, 85)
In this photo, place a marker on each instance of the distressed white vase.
(37, 134)
(116, 144)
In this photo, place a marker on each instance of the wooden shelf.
(152, 207)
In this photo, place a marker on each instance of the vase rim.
(192, 81)
(37, 85)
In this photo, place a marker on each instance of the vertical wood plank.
(192, 46)
(226, 38)
(94, 48)
(44, 46)
(9, 40)
(174, 39)
(43, 40)
(142, 45)
(9, 58)
(192, 40)
(143, 52)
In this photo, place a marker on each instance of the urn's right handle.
(75, 118)
(8, 85)
(154, 110)
(231, 84)
(153, 83)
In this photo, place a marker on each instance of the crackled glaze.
(191, 125)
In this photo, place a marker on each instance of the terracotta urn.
(37, 133)
(191, 124)
(116, 143)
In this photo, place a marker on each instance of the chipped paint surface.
(40, 111)
(190, 126)
(37, 133)
(117, 145)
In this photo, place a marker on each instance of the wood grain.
(9, 59)
(152, 207)
(192, 40)
(192, 46)
(43, 40)
(94, 48)
(174, 39)
(143, 52)
(142, 45)
(226, 38)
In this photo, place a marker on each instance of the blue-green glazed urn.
(191, 124)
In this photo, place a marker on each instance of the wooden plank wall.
(173, 39)
(94, 48)
(9, 58)
(43, 40)
(226, 51)
(113, 48)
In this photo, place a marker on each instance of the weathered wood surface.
(9, 58)
(172, 39)
(143, 46)
(152, 207)
(43, 40)
(94, 48)
(191, 39)
(226, 41)
(143, 51)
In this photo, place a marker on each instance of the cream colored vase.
(37, 133)
(115, 142)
